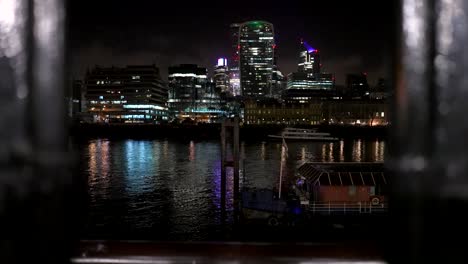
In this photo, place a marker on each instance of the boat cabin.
(344, 182)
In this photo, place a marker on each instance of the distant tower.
(256, 43)
(234, 74)
(309, 60)
(309, 83)
(221, 76)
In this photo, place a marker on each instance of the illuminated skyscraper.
(234, 75)
(309, 61)
(308, 83)
(221, 76)
(256, 44)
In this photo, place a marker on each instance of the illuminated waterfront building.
(260, 112)
(187, 84)
(337, 112)
(134, 94)
(256, 50)
(192, 95)
(356, 112)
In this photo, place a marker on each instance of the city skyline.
(200, 34)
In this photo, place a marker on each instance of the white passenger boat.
(303, 134)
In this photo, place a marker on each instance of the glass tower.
(234, 79)
(187, 85)
(221, 77)
(256, 50)
(309, 61)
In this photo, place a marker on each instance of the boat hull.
(276, 137)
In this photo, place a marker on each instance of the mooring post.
(223, 166)
(236, 160)
(236, 166)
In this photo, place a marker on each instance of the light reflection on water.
(171, 190)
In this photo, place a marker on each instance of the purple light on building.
(308, 47)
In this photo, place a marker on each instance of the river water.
(170, 190)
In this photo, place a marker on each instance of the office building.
(357, 86)
(192, 96)
(187, 85)
(221, 77)
(309, 61)
(134, 94)
(256, 44)
(308, 83)
(233, 63)
(278, 83)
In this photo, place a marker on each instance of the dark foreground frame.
(428, 150)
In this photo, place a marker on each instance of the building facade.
(187, 86)
(336, 112)
(273, 112)
(300, 80)
(134, 94)
(278, 83)
(356, 112)
(256, 50)
(192, 96)
(221, 77)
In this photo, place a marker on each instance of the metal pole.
(281, 175)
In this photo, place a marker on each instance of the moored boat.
(303, 134)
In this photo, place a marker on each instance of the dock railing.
(347, 208)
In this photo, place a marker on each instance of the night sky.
(351, 37)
